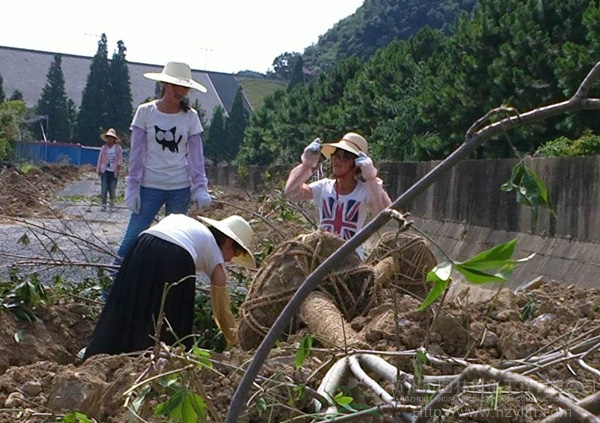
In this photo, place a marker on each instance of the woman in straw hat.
(168, 255)
(344, 200)
(166, 163)
(108, 167)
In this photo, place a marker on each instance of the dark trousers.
(128, 320)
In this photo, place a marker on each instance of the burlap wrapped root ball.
(401, 261)
(350, 288)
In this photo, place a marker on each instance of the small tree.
(2, 95)
(121, 109)
(12, 114)
(214, 142)
(235, 127)
(16, 95)
(54, 104)
(94, 113)
(282, 65)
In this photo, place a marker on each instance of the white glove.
(132, 197)
(201, 197)
(367, 170)
(312, 153)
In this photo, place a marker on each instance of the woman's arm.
(378, 199)
(136, 156)
(295, 187)
(196, 165)
(221, 304)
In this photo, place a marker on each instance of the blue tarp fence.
(56, 152)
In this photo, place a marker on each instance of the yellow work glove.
(221, 305)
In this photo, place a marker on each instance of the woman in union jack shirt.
(344, 200)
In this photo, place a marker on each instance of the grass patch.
(256, 89)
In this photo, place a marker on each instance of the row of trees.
(106, 102)
(416, 98)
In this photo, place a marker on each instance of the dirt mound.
(42, 372)
(27, 191)
(547, 331)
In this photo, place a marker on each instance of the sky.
(215, 35)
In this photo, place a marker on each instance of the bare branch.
(472, 141)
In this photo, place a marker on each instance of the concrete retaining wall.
(465, 211)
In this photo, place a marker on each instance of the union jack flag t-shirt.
(343, 215)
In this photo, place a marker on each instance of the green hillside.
(256, 89)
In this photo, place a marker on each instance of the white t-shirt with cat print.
(165, 164)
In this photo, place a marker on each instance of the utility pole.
(205, 50)
(96, 36)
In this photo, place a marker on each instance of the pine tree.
(54, 105)
(2, 95)
(94, 114)
(235, 127)
(120, 107)
(297, 75)
(16, 95)
(214, 142)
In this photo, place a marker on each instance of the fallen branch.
(476, 371)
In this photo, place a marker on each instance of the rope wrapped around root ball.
(351, 287)
(399, 261)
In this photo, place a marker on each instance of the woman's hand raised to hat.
(367, 169)
(312, 153)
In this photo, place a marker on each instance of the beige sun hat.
(236, 228)
(110, 133)
(351, 142)
(176, 73)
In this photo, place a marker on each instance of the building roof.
(27, 71)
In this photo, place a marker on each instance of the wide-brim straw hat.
(176, 73)
(236, 228)
(351, 142)
(110, 133)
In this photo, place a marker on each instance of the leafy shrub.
(587, 145)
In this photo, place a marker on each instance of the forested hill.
(376, 24)
(414, 99)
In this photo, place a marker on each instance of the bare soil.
(41, 377)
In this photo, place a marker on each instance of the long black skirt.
(128, 320)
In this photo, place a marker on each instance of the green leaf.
(477, 276)
(441, 272)
(498, 253)
(75, 417)
(139, 399)
(438, 288)
(261, 405)
(344, 401)
(529, 189)
(203, 357)
(168, 380)
(304, 351)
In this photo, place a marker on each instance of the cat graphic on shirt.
(166, 138)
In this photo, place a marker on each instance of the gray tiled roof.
(27, 70)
